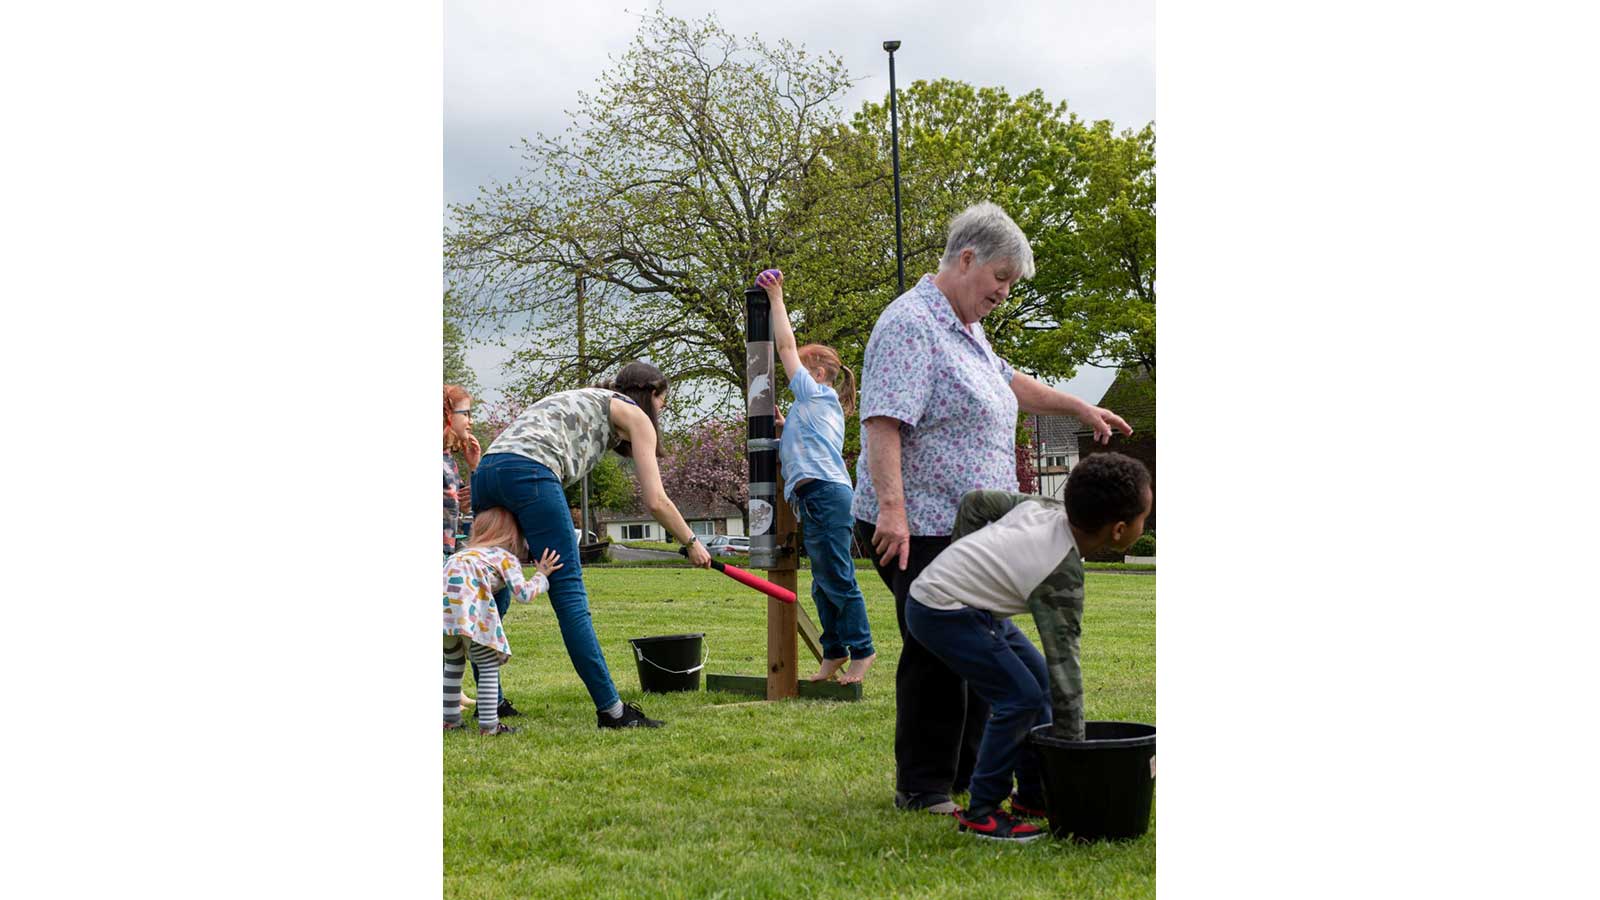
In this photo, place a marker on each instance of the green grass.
(862, 565)
(788, 799)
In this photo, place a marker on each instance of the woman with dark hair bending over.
(555, 442)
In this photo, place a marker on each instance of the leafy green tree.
(703, 158)
(609, 486)
(456, 370)
(680, 179)
(1084, 194)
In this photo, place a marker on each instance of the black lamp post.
(894, 143)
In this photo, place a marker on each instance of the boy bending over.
(1010, 553)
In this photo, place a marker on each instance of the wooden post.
(783, 655)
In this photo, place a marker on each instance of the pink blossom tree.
(1027, 473)
(706, 463)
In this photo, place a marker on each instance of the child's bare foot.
(858, 670)
(466, 701)
(829, 666)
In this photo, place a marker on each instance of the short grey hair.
(985, 229)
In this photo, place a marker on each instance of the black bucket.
(670, 663)
(1100, 788)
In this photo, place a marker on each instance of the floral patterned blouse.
(953, 398)
(470, 579)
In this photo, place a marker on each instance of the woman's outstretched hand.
(1103, 421)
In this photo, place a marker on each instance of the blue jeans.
(533, 494)
(998, 662)
(824, 508)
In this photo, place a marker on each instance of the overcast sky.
(511, 69)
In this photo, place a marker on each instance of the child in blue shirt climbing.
(817, 486)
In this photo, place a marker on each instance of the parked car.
(726, 545)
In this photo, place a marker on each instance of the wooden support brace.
(756, 686)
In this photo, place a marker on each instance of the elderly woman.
(939, 418)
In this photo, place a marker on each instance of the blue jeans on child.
(998, 662)
(534, 495)
(824, 508)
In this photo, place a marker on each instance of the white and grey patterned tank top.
(567, 432)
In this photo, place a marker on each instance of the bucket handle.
(705, 655)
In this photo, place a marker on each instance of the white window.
(704, 528)
(635, 532)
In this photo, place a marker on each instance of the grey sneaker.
(938, 804)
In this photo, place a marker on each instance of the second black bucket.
(670, 663)
(1100, 788)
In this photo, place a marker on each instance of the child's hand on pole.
(548, 563)
(771, 281)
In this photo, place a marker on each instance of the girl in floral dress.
(491, 560)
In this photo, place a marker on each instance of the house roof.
(1057, 433)
(690, 509)
(1132, 396)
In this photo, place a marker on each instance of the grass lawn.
(743, 561)
(790, 799)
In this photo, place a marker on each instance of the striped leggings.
(456, 649)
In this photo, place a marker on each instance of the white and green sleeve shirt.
(1013, 552)
(996, 567)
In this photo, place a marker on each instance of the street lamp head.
(891, 46)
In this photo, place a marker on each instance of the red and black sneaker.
(499, 728)
(1023, 808)
(997, 826)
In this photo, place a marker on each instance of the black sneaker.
(1027, 809)
(997, 826)
(499, 728)
(938, 804)
(632, 717)
(505, 709)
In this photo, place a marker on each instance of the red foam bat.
(743, 577)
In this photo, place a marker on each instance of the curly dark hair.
(1106, 488)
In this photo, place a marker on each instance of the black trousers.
(938, 720)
